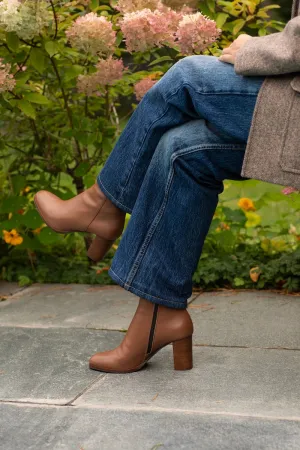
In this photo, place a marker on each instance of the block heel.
(98, 248)
(183, 354)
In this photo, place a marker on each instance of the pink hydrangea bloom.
(289, 190)
(92, 33)
(108, 71)
(146, 29)
(7, 81)
(143, 86)
(195, 33)
(127, 6)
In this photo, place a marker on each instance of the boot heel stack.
(98, 248)
(183, 354)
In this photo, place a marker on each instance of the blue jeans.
(187, 136)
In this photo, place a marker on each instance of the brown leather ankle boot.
(152, 328)
(91, 211)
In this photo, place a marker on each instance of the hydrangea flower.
(127, 6)
(26, 18)
(93, 34)
(146, 29)
(143, 86)
(289, 190)
(108, 71)
(7, 81)
(195, 33)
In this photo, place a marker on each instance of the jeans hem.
(180, 304)
(112, 198)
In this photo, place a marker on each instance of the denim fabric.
(187, 135)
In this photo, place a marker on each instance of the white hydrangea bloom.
(9, 14)
(27, 19)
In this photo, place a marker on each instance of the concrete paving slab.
(8, 289)
(38, 428)
(251, 319)
(235, 381)
(70, 306)
(49, 366)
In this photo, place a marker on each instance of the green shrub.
(55, 136)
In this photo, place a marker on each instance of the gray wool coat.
(273, 148)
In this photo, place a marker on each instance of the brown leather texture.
(91, 211)
(171, 325)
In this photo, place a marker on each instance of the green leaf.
(211, 5)
(238, 25)
(23, 281)
(235, 215)
(159, 60)
(26, 108)
(48, 237)
(32, 219)
(147, 56)
(12, 204)
(72, 72)
(225, 238)
(82, 169)
(85, 138)
(18, 182)
(37, 59)
(35, 97)
(262, 32)
(51, 48)
(221, 19)
(13, 41)
(22, 78)
(103, 8)
(238, 281)
(119, 38)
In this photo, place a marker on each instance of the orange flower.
(99, 271)
(12, 237)
(246, 204)
(25, 190)
(38, 230)
(225, 226)
(155, 75)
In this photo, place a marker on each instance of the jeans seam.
(161, 210)
(125, 285)
(129, 210)
(209, 92)
(138, 152)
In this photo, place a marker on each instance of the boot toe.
(100, 361)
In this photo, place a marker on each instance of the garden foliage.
(71, 73)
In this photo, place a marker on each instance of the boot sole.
(189, 365)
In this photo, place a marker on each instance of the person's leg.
(173, 191)
(161, 246)
(195, 87)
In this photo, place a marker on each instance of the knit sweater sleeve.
(275, 54)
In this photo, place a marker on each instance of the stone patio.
(243, 392)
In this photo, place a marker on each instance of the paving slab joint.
(246, 347)
(102, 377)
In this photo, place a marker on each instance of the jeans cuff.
(177, 304)
(112, 198)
